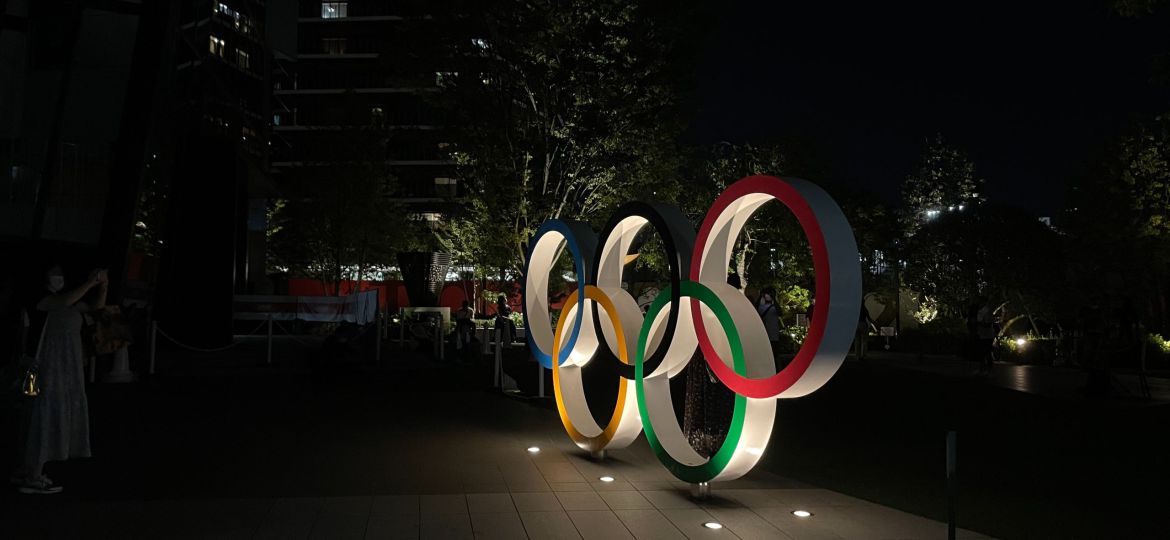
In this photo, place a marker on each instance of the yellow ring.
(598, 443)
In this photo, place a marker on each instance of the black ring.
(678, 239)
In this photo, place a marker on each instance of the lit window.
(243, 60)
(444, 77)
(276, 119)
(377, 115)
(334, 10)
(223, 8)
(333, 45)
(480, 43)
(217, 46)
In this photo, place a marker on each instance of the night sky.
(1031, 91)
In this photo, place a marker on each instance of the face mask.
(56, 283)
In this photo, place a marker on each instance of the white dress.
(58, 420)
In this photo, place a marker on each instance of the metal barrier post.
(486, 338)
(269, 360)
(499, 360)
(153, 341)
(378, 341)
(401, 328)
(540, 375)
(952, 482)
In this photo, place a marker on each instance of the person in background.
(864, 325)
(504, 320)
(770, 314)
(985, 329)
(464, 326)
(56, 427)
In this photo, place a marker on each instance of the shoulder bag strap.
(41, 343)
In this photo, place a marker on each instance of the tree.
(349, 224)
(565, 108)
(1003, 253)
(944, 181)
(1120, 222)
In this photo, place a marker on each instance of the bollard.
(378, 340)
(269, 360)
(540, 376)
(401, 328)
(442, 342)
(499, 361)
(486, 338)
(952, 483)
(153, 340)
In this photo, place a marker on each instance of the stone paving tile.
(534, 485)
(393, 527)
(648, 524)
(672, 499)
(291, 518)
(616, 485)
(745, 523)
(445, 526)
(599, 524)
(583, 500)
(339, 526)
(430, 505)
(498, 525)
(549, 525)
(690, 522)
(383, 505)
(356, 506)
(536, 502)
(490, 503)
(571, 486)
(236, 518)
(625, 500)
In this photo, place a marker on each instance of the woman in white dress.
(57, 421)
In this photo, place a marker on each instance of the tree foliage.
(349, 224)
(566, 108)
(943, 181)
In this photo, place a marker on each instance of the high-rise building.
(360, 87)
(213, 149)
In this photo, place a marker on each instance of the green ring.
(692, 473)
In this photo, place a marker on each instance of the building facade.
(361, 87)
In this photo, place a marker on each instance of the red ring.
(784, 192)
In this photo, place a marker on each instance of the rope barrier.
(291, 335)
(202, 350)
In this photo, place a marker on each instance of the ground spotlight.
(533, 449)
(802, 513)
(713, 525)
(607, 479)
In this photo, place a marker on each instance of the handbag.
(30, 384)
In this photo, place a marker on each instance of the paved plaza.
(224, 448)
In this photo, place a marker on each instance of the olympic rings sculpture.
(698, 310)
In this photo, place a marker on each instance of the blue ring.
(577, 235)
